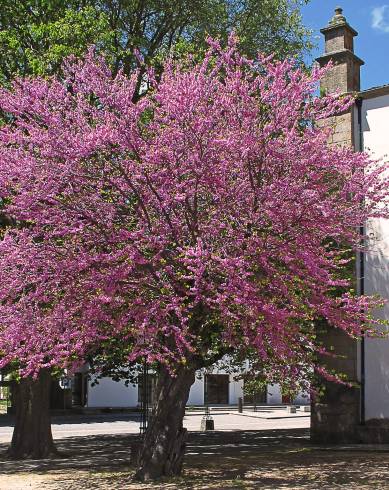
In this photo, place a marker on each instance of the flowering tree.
(202, 221)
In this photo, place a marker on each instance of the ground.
(78, 425)
(241, 454)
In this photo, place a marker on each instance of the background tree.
(36, 35)
(196, 223)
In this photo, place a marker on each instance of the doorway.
(216, 388)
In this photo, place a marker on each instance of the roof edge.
(374, 92)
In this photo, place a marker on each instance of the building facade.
(212, 388)
(357, 414)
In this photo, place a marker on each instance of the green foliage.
(35, 35)
(254, 384)
(271, 26)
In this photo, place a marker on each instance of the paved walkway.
(276, 414)
(89, 425)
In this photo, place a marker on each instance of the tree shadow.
(103, 452)
(265, 459)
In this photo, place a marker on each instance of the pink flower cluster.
(208, 217)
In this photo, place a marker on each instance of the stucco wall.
(196, 394)
(109, 393)
(375, 125)
(235, 391)
(274, 395)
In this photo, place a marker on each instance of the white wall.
(112, 394)
(196, 394)
(235, 391)
(302, 399)
(274, 396)
(109, 393)
(375, 124)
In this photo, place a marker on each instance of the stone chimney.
(343, 76)
(335, 415)
(339, 48)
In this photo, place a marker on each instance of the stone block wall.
(342, 129)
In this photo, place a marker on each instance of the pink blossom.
(210, 217)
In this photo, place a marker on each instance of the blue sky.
(371, 19)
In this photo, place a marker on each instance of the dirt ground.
(279, 459)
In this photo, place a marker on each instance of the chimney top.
(338, 18)
(339, 48)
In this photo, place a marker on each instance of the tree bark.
(32, 437)
(162, 450)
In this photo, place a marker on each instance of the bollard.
(207, 423)
(240, 404)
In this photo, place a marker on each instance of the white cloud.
(380, 18)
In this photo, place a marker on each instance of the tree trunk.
(32, 436)
(162, 450)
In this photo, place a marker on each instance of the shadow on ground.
(271, 459)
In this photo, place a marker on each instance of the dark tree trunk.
(32, 436)
(162, 450)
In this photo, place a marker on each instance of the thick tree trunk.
(163, 447)
(32, 436)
